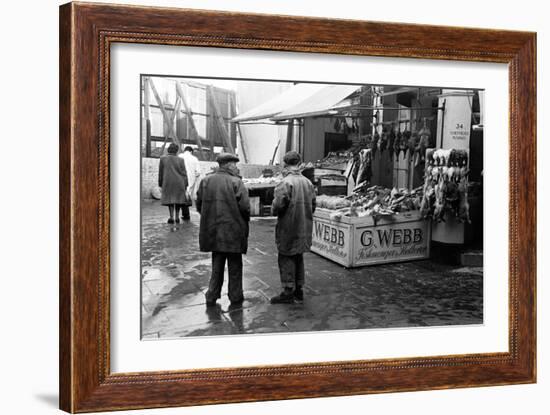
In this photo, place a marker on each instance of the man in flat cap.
(222, 201)
(293, 204)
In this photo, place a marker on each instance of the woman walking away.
(173, 181)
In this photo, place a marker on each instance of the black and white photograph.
(272, 206)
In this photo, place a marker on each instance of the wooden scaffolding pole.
(172, 120)
(289, 135)
(219, 120)
(190, 121)
(233, 112)
(146, 117)
(166, 117)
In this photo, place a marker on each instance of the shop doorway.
(336, 142)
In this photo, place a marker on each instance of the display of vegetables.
(446, 185)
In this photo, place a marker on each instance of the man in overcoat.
(293, 204)
(222, 201)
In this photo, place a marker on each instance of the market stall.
(374, 225)
(261, 191)
(357, 241)
(390, 166)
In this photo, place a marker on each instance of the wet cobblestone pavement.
(175, 277)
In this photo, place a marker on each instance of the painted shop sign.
(356, 242)
(331, 240)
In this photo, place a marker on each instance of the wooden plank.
(190, 122)
(145, 128)
(177, 108)
(219, 121)
(241, 137)
(165, 115)
(275, 152)
(243, 145)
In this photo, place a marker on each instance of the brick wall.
(150, 168)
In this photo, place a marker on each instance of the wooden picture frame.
(86, 33)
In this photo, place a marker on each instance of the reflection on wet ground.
(175, 277)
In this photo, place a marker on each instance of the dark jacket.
(222, 201)
(294, 204)
(173, 180)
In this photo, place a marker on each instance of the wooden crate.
(355, 242)
(254, 206)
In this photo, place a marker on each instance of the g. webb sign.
(359, 241)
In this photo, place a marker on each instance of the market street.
(175, 276)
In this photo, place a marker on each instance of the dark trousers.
(185, 211)
(292, 270)
(235, 268)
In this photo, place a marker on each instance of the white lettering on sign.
(395, 242)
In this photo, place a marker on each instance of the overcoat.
(192, 165)
(173, 180)
(293, 204)
(222, 201)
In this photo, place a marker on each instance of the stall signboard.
(331, 239)
(391, 242)
(360, 241)
(456, 119)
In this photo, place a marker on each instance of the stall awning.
(322, 102)
(287, 99)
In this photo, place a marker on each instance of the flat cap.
(226, 158)
(292, 158)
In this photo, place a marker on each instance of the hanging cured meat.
(411, 145)
(383, 142)
(423, 143)
(398, 147)
(405, 143)
(391, 141)
(374, 144)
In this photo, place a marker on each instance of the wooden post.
(165, 115)
(190, 122)
(275, 152)
(172, 120)
(242, 147)
(233, 113)
(289, 135)
(146, 117)
(219, 120)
